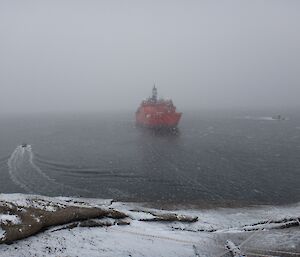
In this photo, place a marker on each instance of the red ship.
(154, 113)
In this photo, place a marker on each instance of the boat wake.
(83, 174)
(265, 118)
(27, 174)
(65, 167)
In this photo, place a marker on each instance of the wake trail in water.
(48, 162)
(24, 172)
(86, 171)
(13, 165)
(66, 167)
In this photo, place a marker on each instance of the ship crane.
(154, 94)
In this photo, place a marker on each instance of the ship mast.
(154, 94)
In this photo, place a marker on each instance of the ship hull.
(158, 120)
(157, 113)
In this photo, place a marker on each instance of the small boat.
(278, 117)
(24, 145)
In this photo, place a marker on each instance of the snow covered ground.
(260, 231)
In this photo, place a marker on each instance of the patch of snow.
(139, 215)
(37, 219)
(2, 234)
(51, 203)
(7, 218)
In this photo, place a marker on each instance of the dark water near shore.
(215, 157)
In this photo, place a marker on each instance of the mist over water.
(90, 56)
(73, 73)
(214, 157)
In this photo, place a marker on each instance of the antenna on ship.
(154, 93)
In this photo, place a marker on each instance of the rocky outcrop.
(29, 215)
(34, 219)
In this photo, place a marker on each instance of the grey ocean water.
(218, 158)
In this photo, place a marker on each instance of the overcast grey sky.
(60, 55)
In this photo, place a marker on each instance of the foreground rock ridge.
(23, 216)
(33, 225)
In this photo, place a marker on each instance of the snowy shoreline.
(61, 226)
